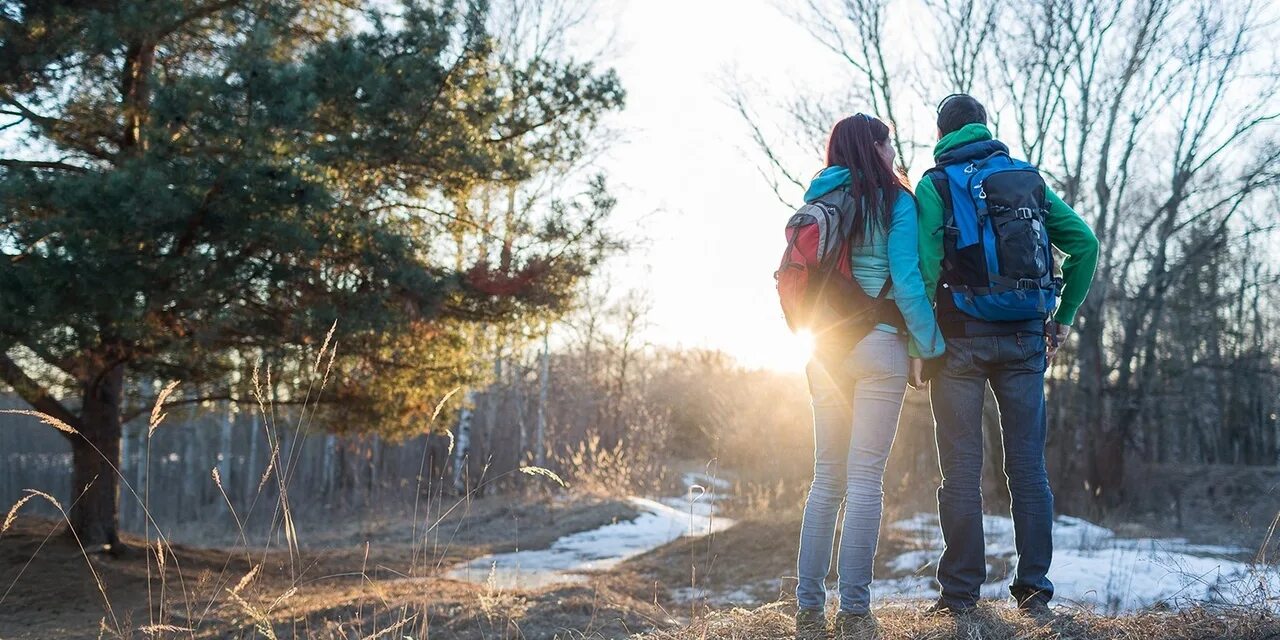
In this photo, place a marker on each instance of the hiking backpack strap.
(886, 311)
(938, 178)
(842, 201)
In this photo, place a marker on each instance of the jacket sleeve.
(929, 204)
(1072, 236)
(908, 286)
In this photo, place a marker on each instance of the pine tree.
(189, 186)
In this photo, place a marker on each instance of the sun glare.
(791, 351)
(805, 343)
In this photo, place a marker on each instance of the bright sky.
(687, 176)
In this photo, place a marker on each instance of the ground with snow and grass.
(991, 622)
(566, 566)
(1095, 568)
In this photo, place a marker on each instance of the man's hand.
(916, 376)
(1056, 333)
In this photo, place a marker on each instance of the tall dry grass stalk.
(1261, 557)
(45, 418)
(544, 472)
(157, 410)
(152, 630)
(391, 629)
(13, 511)
(231, 508)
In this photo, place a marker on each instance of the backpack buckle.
(1025, 213)
(1028, 283)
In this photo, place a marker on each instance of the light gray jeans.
(856, 402)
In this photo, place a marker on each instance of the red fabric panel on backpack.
(805, 248)
(799, 261)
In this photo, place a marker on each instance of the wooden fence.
(172, 471)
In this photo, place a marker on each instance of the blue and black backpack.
(997, 263)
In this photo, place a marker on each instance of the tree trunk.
(1104, 469)
(95, 488)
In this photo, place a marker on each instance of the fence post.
(540, 452)
(225, 455)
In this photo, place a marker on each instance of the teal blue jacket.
(895, 253)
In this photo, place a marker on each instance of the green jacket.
(1068, 232)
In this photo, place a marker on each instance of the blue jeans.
(1014, 365)
(856, 402)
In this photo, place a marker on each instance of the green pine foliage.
(191, 186)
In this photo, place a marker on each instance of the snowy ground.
(1092, 567)
(659, 523)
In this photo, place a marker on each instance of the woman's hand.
(915, 375)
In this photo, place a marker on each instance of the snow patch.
(569, 557)
(1092, 567)
(743, 596)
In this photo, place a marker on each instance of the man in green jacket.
(985, 346)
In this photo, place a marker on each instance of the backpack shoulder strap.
(942, 185)
(842, 200)
(938, 178)
(884, 291)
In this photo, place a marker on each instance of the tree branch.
(130, 415)
(226, 397)
(8, 99)
(34, 393)
(41, 164)
(197, 14)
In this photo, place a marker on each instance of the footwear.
(811, 624)
(856, 626)
(944, 608)
(1036, 606)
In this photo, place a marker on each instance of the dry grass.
(341, 590)
(994, 622)
(755, 556)
(394, 587)
(609, 471)
(264, 589)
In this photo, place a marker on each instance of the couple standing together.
(952, 288)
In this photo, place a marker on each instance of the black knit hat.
(957, 110)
